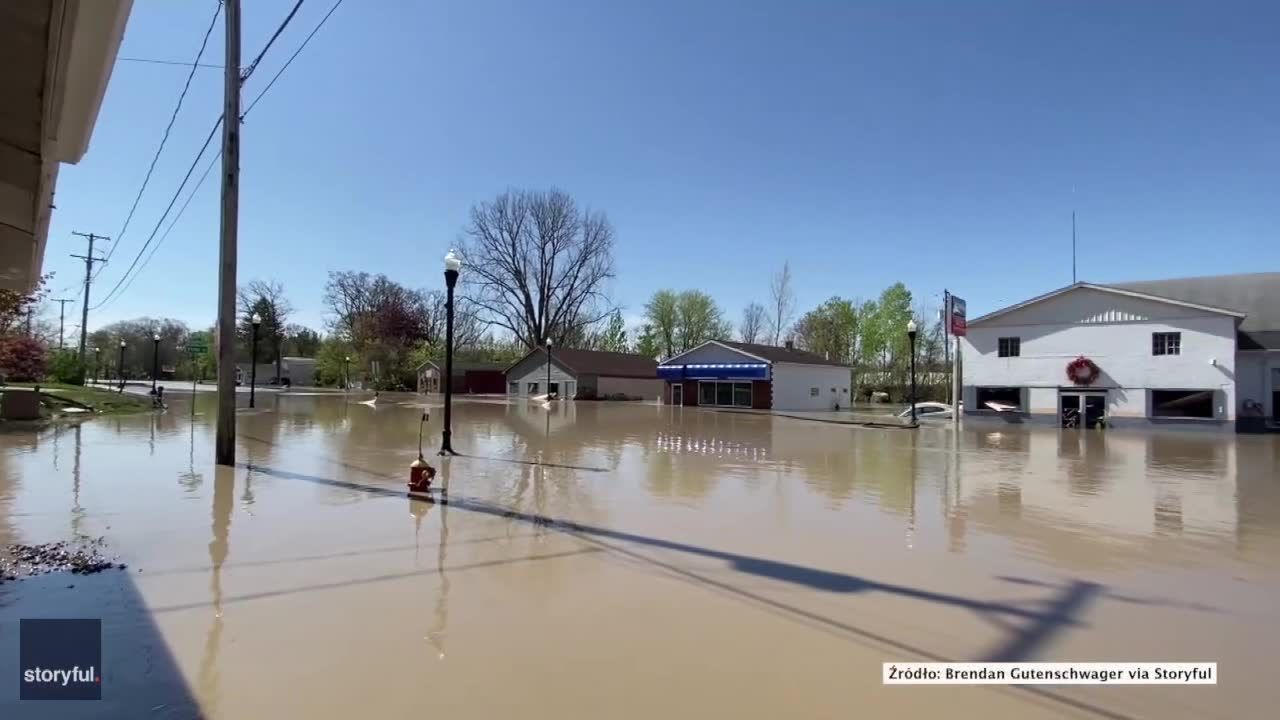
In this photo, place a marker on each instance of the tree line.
(538, 268)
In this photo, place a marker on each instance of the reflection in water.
(440, 616)
(219, 549)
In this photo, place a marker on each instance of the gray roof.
(773, 353)
(1257, 295)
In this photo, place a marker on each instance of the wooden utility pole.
(89, 260)
(225, 445)
(62, 314)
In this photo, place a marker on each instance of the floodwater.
(605, 560)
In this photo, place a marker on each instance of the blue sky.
(943, 144)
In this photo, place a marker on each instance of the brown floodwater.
(605, 560)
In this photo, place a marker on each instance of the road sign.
(198, 347)
(956, 313)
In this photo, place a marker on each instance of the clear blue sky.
(937, 143)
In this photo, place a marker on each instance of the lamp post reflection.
(419, 509)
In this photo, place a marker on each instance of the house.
(720, 373)
(469, 376)
(1201, 351)
(585, 374)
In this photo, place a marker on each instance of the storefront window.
(724, 394)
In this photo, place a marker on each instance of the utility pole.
(62, 313)
(89, 259)
(225, 445)
(946, 343)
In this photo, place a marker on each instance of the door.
(1082, 410)
(677, 394)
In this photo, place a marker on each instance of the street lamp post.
(97, 363)
(123, 345)
(155, 360)
(548, 368)
(256, 320)
(911, 335)
(452, 264)
(346, 373)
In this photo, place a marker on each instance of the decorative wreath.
(1082, 371)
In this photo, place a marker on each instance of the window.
(1010, 347)
(1000, 396)
(724, 394)
(813, 392)
(1182, 404)
(1166, 343)
(533, 388)
(706, 393)
(928, 410)
(513, 388)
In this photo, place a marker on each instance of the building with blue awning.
(721, 373)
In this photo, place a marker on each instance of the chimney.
(790, 345)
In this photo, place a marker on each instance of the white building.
(720, 373)
(1201, 351)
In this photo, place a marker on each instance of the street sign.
(198, 347)
(957, 315)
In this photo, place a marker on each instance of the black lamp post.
(452, 264)
(256, 320)
(155, 360)
(911, 335)
(548, 369)
(346, 373)
(123, 345)
(97, 363)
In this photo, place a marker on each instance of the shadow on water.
(1030, 629)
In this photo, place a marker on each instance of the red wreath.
(1082, 371)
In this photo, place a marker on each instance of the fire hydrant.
(420, 475)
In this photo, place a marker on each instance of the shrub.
(22, 358)
(65, 368)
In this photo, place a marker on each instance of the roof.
(599, 362)
(1116, 289)
(1255, 295)
(462, 366)
(768, 353)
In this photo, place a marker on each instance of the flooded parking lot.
(627, 560)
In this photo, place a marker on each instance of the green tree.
(614, 337)
(830, 330)
(699, 319)
(300, 341)
(662, 316)
(647, 342)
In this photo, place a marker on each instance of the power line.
(288, 62)
(121, 285)
(254, 65)
(168, 129)
(112, 294)
(176, 217)
(155, 61)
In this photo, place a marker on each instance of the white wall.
(1115, 332)
(792, 383)
(530, 371)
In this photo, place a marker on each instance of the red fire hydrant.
(420, 475)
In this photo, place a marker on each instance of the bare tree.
(265, 297)
(537, 265)
(783, 305)
(752, 328)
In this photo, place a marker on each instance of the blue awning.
(715, 371)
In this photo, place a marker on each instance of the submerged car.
(929, 411)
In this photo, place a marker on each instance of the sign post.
(196, 348)
(956, 323)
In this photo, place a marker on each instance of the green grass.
(105, 402)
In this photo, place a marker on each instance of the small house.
(470, 377)
(585, 374)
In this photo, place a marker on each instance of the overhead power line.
(204, 42)
(254, 65)
(288, 62)
(155, 61)
(126, 279)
